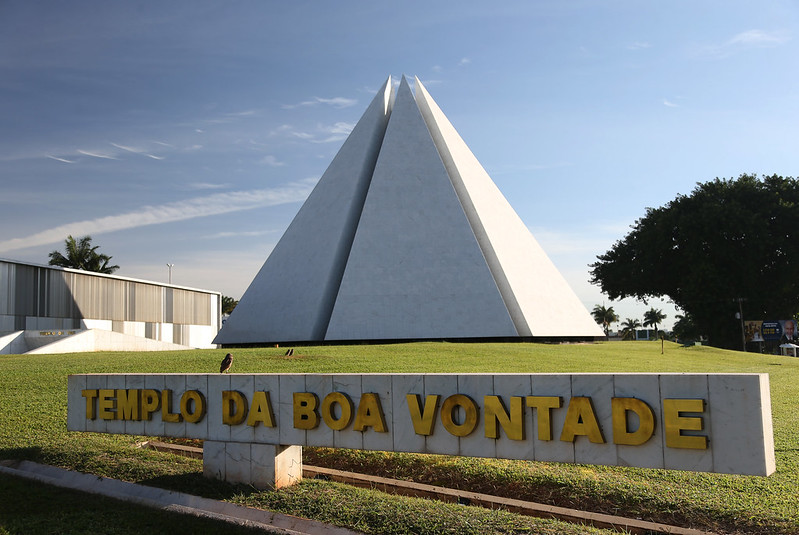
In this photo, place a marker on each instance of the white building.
(47, 309)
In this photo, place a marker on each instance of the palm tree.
(654, 317)
(604, 317)
(81, 255)
(629, 326)
(228, 304)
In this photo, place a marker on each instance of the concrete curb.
(167, 500)
(422, 490)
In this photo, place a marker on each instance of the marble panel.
(134, 427)
(507, 386)
(380, 385)
(645, 388)
(198, 382)
(261, 433)
(76, 403)
(177, 385)
(441, 441)
(262, 467)
(214, 459)
(476, 444)
(288, 466)
(96, 382)
(217, 383)
(552, 450)
(244, 385)
(688, 386)
(288, 433)
(237, 462)
(154, 427)
(348, 437)
(600, 389)
(404, 435)
(738, 403)
(322, 435)
(117, 425)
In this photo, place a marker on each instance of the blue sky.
(190, 132)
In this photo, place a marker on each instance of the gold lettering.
(370, 414)
(423, 419)
(90, 395)
(449, 411)
(261, 410)
(128, 405)
(192, 406)
(675, 424)
(305, 415)
(543, 406)
(150, 402)
(106, 404)
(646, 421)
(512, 423)
(581, 421)
(166, 408)
(234, 407)
(342, 400)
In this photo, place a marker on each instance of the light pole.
(169, 267)
(740, 315)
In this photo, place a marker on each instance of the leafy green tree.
(684, 328)
(604, 316)
(628, 327)
(730, 241)
(80, 254)
(654, 317)
(228, 304)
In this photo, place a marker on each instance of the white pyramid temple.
(406, 237)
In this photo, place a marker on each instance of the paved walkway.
(168, 500)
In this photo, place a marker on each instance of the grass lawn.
(33, 426)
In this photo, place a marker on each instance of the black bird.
(227, 362)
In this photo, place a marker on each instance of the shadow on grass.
(199, 485)
(31, 453)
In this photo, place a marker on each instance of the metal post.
(741, 316)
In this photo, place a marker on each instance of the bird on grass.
(227, 362)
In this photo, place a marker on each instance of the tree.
(654, 317)
(604, 317)
(228, 304)
(81, 255)
(628, 327)
(685, 328)
(730, 241)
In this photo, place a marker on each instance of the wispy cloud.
(56, 158)
(670, 104)
(336, 102)
(464, 61)
(246, 234)
(638, 45)
(746, 40)
(758, 38)
(137, 150)
(220, 203)
(207, 185)
(96, 154)
(271, 161)
(322, 134)
(336, 132)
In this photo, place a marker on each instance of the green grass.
(33, 426)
